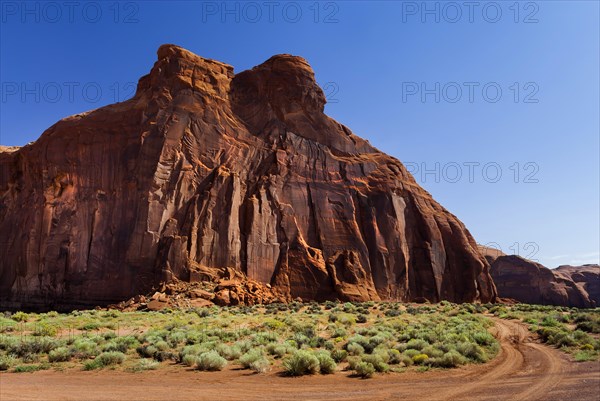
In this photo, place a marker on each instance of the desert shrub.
(195, 349)
(484, 338)
(92, 365)
(339, 332)
(211, 361)
(406, 360)
(451, 359)
(161, 345)
(264, 338)
(355, 349)
(176, 337)
(316, 342)
(123, 344)
(353, 361)
(90, 326)
(83, 348)
(32, 346)
(189, 360)
(347, 319)
(411, 353)
(361, 318)
(432, 352)
(229, 352)
(244, 345)
(279, 350)
(194, 337)
(549, 321)
(301, 363)
(587, 322)
(582, 337)
(145, 364)
(420, 358)
(392, 312)
(327, 364)
(377, 362)
(416, 343)
(61, 354)
(30, 368)
(273, 324)
(363, 341)
(20, 317)
(364, 369)
(6, 361)
(394, 356)
(300, 339)
(110, 358)
(109, 335)
(251, 356)
(586, 355)
(45, 329)
(260, 365)
(339, 355)
(587, 347)
(556, 336)
(147, 351)
(162, 356)
(382, 353)
(472, 351)
(110, 346)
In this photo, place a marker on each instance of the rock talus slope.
(204, 170)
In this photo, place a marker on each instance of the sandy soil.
(523, 370)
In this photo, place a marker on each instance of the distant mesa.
(529, 282)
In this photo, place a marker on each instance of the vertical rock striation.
(203, 170)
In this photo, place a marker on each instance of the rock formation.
(204, 171)
(585, 277)
(529, 282)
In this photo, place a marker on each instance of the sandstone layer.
(204, 171)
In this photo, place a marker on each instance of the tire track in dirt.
(551, 366)
(541, 362)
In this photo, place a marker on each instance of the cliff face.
(202, 171)
(529, 282)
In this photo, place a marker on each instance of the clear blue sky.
(375, 60)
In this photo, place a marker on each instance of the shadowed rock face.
(529, 282)
(206, 170)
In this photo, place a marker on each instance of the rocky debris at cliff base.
(183, 295)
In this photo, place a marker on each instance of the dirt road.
(523, 370)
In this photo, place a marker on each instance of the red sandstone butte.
(205, 170)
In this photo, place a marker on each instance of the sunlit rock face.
(207, 170)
